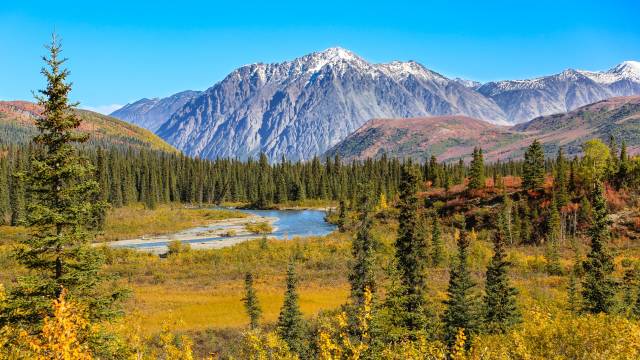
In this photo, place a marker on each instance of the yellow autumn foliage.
(59, 339)
(563, 336)
(419, 349)
(335, 342)
(259, 345)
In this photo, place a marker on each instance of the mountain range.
(453, 137)
(152, 113)
(301, 108)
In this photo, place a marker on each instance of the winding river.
(287, 225)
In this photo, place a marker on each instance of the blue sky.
(120, 51)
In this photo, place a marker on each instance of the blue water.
(289, 224)
(292, 223)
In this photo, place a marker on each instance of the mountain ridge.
(302, 107)
(453, 137)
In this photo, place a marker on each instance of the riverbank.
(136, 221)
(215, 234)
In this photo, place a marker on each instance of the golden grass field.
(191, 310)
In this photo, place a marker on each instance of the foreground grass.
(194, 310)
(135, 221)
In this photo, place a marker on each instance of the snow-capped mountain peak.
(628, 68)
(301, 107)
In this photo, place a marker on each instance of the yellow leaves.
(258, 345)
(459, 352)
(173, 347)
(563, 336)
(418, 349)
(473, 236)
(336, 343)
(60, 339)
(382, 203)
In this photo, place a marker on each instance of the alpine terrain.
(301, 108)
(453, 137)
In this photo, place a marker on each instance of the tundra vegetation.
(532, 259)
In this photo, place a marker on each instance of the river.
(287, 225)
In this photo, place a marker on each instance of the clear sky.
(120, 51)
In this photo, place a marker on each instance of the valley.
(325, 207)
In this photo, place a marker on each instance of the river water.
(288, 224)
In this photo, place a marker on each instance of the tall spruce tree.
(560, 180)
(17, 194)
(251, 304)
(621, 179)
(476, 170)
(552, 252)
(5, 204)
(362, 276)
(342, 216)
(62, 205)
(411, 251)
(461, 310)
(599, 287)
(500, 307)
(290, 325)
(533, 167)
(437, 246)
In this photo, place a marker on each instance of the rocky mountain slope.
(301, 108)
(452, 137)
(17, 125)
(152, 113)
(523, 100)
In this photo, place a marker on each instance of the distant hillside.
(447, 137)
(152, 113)
(618, 117)
(452, 137)
(17, 126)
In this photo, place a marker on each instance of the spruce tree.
(533, 167)
(411, 251)
(476, 170)
(342, 216)
(290, 325)
(17, 195)
(621, 179)
(251, 304)
(560, 180)
(552, 253)
(62, 191)
(5, 205)
(501, 309)
(599, 287)
(437, 246)
(461, 310)
(572, 292)
(362, 276)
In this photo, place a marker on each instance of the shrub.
(177, 247)
(229, 233)
(259, 228)
(564, 336)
